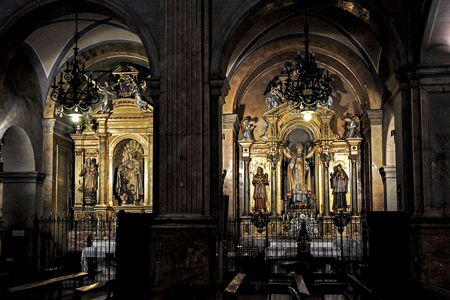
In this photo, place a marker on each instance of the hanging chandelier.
(77, 92)
(305, 87)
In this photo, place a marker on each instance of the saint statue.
(339, 182)
(298, 175)
(129, 184)
(142, 105)
(260, 181)
(89, 186)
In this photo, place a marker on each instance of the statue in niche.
(298, 175)
(339, 183)
(249, 125)
(351, 125)
(89, 185)
(129, 184)
(106, 98)
(260, 181)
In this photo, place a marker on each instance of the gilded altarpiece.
(118, 148)
(323, 148)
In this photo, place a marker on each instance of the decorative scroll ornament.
(128, 86)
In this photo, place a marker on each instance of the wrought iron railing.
(277, 244)
(86, 245)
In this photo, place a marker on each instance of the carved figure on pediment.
(142, 105)
(274, 91)
(106, 98)
(351, 126)
(248, 124)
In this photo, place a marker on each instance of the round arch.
(17, 151)
(25, 20)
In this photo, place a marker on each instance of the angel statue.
(248, 124)
(274, 91)
(143, 105)
(88, 117)
(352, 122)
(105, 102)
(298, 174)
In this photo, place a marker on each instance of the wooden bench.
(49, 285)
(81, 291)
(231, 290)
(158, 291)
(359, 289)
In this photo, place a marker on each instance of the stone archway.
(21, 199)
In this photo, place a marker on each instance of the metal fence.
(275, 247)
(84, 245)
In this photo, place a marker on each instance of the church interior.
(212, 149)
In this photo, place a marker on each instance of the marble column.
(372, 131)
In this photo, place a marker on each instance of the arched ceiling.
(436, 41)
(343, 37)
(53, 42)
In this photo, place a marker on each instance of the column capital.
(230, 121)
(388, 172)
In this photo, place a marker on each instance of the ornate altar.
(299, 158)
(114, 153)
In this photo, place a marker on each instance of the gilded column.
(246, 158)
(279, 186)
(326, 182)
(103, 170)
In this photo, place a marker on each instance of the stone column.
(48, 165)
(230, 130)
(186, 149)
(389, 176)
(372, 127)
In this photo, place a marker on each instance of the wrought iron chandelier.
(77, 92)
(305, 87)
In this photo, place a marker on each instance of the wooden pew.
(231, 290)
(81, 291)
(49, 285)
(359, 289)
(158, 291)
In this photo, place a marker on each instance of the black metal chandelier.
(305, 87)
(77, 92)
